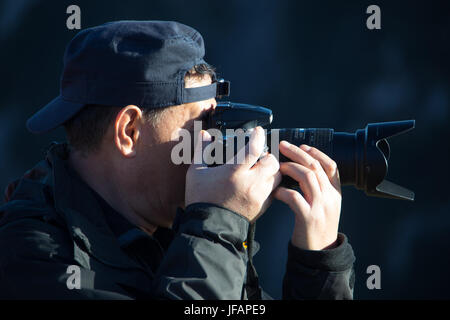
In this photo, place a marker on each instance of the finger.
(302, 157)
(252, 151)
(328, 164)
(293, 199)
(306, 178)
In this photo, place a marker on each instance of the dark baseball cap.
(128, 62)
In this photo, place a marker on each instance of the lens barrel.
(340, 146)
(361, 157)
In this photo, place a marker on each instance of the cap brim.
(53, 115)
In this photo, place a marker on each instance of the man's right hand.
(243, 188)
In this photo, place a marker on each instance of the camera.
(361, 156)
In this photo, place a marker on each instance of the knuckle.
(310, 175)
(292, 196)
(332, 166)
(270, 157)
(284, 166)
(315, 165)
(273, 161)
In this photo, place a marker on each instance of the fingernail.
(285, 143)
(305, 147)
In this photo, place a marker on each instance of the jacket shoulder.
(28, 208)
(33, 232)
(34, 252)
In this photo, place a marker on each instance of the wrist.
(333, 245)
(310, 243)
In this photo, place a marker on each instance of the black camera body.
(362, 157)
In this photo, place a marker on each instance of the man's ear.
(127, 129)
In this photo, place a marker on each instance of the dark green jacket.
(52, 220)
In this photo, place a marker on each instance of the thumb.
(202, 138)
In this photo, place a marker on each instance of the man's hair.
(85, 130)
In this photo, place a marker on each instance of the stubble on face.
(165, 182)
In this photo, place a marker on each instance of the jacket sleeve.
(325, 274)
(207, 258)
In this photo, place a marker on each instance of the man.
(110, 216)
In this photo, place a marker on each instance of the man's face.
(157, 174)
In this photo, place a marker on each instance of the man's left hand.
(317, 211)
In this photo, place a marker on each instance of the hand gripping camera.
(362, 157)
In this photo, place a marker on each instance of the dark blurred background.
(315, 64)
